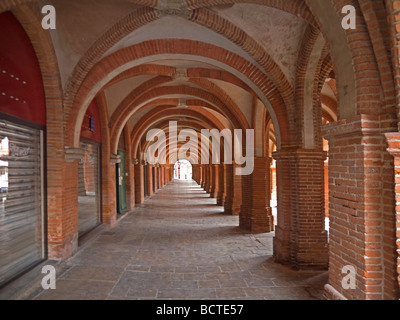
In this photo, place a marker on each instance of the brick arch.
(202, 17)
(192, 124)
(144, 69)
(106, 69)
(166, 74)
(330, 103)
(212, 21)
(393, 139)
(213, 94)
(59, 212)
(168, 71)
(357, 95)
(197, 103)
(171, 103)
(122, 28)
(295, 7)
(325, 67)
(139, 130)
(215, 23)
(357, 66)
(136, 95)
(221, 94)
(11, 5)
(375, 13)
(305, 78)
(227, 107)
(218, 75)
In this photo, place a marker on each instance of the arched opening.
(23, 241)
(183, 170)
(206, 65)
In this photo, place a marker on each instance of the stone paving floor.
(180, 245)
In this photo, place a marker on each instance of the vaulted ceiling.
(94, 35)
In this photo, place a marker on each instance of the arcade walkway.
(180, 245)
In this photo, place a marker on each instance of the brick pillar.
(154, 173)
(108, 190)
(207, 181)
(245, 208)
(62, 208)
(300, 238)
(326, 191)
(204, 178)
(281, 243)
(196, 170)
(203, 175)
(196, 173)
(149, 178)
(215, 180)
(157, 171)
(155, 180)
(228, 188)
(394, 149)
(211, 174)
(237, 191)
(361, 209)
(161, 176)
(310, 243)
(255, 212)
(139, 183)
(130, 184)
(163, 181)
(166, 173)
(221, 184)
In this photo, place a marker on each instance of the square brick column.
(255, 212)
(394, 149)
(139, 183)
(237, 191)
(362, 208)
(206, 177)
(130, 183)
(149, 181)
(210, 181)
(108, 190)
(167, 177)
(300, 237)
(154, 177)
(62, 216)
(215, 180)
(162, 175)
(284, 161)
(310, 242)
(200, 174)
(228, 188)
(221, 184)
(203, 176)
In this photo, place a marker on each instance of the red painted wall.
(92, 112)
(21, 88)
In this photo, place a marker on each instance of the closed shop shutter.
(21, 199)
(89, 187)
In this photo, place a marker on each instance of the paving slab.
(180, 245)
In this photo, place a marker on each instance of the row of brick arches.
(84, 106)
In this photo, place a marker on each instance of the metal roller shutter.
(21, 199)
(89, 187)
